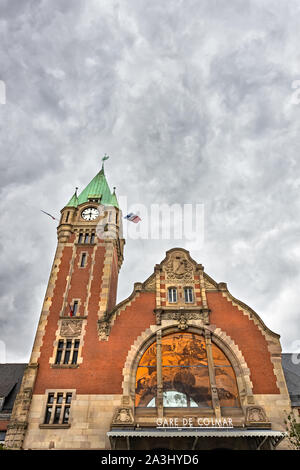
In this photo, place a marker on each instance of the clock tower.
(81, 290)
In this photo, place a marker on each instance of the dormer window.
(94, 199)
(172, 295)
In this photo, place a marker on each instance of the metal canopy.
(180, 432)
(259, 436)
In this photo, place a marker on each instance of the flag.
(54, 218)
(133, 218)
(70, 311)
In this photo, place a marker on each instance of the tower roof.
(114, 200)
(97, 188)
(73, 201)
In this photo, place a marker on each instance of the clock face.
(90, 213)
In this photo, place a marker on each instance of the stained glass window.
(185, 374)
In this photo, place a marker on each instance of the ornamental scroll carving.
(71, 328)
(179, 268)
(182, 317)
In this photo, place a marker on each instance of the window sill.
(85, 244)
(54, 426)
(75, 317)
(64, 366)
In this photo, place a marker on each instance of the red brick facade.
(102, 361)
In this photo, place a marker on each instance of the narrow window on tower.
(86, 237)
(67, 217)
(75, 351)
(172, 294)
(80, 238)
(68, 351)
(59, 353)
(83, 260)
(92, 239)
(75, 308)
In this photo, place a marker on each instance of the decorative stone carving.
(256, 417)
(150, 284)
(182, 323)
(182, 316)
(123, 416)
(71, 327)
(208, 284)
(179, 268)
(158, 313)
(103, 329)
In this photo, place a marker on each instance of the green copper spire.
(97, 189)
(114, 200)
(74, 200)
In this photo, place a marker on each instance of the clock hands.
(90, 213)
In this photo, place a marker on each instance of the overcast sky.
(195, 102)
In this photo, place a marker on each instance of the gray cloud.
(192, 101)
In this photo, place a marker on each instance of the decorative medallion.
(123, 416)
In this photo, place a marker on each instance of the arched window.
(172, 294)
(187, 368)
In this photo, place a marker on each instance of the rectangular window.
(66, 415)
(67, 216)
(57, 415)
(75, 308)
(86, 237)
(172, 295)
(59, 353)
(83, 260)
(58, 408)
(75, 352)
(67, 352)
(92, 238)
(59, 398)
(188, 295)
(80, 238)
(49, 408)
